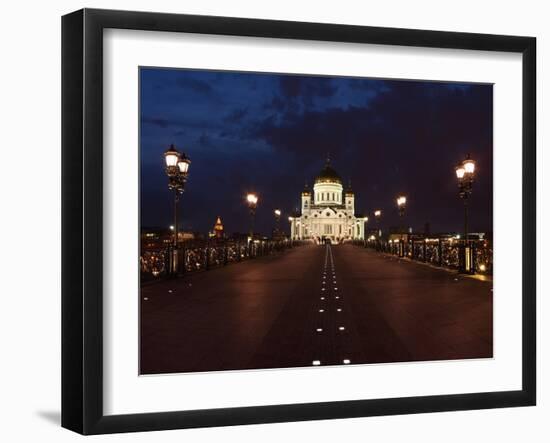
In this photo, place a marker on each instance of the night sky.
(270, 133)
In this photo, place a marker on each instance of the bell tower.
(306, 199)
(350, 198)
(218, 228)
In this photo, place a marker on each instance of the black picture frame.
(82, 218)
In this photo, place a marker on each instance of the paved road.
(312, 305)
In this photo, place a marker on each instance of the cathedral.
(328, 213)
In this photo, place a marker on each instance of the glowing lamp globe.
(183, 164)
(469, 166)
(252, 199)
(171, 156)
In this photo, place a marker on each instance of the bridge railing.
(156, 263)
(444, 252)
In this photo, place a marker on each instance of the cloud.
(306, 89)
(193, 84)
(407, 139)
(236, 115)
(386, 136)
(157, 121)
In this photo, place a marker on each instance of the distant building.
(153, 238)
(328, 213)
(218, 229)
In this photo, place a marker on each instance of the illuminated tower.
(350, 198)
(218, 228)
(306, 199)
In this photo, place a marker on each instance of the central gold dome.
(328, 175)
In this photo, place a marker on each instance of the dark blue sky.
(270, 133)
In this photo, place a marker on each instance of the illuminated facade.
(218, 229)
(328, 213)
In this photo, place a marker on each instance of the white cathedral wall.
(327, 193)
(309, 226)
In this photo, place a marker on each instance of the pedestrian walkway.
(313, 306)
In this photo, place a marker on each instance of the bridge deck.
(313, 303)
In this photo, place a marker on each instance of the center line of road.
(329, 265)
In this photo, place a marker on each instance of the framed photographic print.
(269, 221)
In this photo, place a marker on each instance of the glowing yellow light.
(401, 200)
(252, 199)
(460, 171)
(277, 212)
(469, 166)
(482, 267)
(183, 164)
(377, 213)
(171, 156)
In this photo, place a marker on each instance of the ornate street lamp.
(177, 170)
(277, 213)
(401, 205)
(252, 201)
(465, 175)
(377, 216)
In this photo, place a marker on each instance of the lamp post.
(177, 170)
(401, 205)
(291, 221)
(465, 175)
(277, 213)
(252, 201)
(377, 216)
